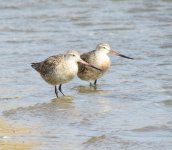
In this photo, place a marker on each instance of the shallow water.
(132, 105)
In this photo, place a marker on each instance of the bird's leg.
(60, 89)
(56, 91)
(95, 82)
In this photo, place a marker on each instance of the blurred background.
(132, 105)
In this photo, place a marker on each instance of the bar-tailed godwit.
(100, 59)
(59, 69)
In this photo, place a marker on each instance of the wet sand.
(8, 134)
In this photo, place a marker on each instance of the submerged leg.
(60, 89)
(56, 91)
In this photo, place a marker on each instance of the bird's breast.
(103, 62)
(71, 68)
(105, 65)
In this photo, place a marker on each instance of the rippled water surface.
(132, 105)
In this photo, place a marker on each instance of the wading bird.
(60, 69)
(100, 59)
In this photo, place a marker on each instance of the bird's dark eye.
(73, 55)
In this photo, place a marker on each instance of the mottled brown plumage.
(48, 65)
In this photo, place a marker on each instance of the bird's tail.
(36, 66)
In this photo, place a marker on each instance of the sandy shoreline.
(8, 132)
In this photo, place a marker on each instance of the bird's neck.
(100, 54)
(72, 66)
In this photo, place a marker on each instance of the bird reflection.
(90, 89)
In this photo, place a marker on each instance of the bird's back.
(48, 64)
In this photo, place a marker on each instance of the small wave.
(151, 128)
(8, 98)
(166, 102)
(95, 139)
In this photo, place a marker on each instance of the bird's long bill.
(87, 64)
(118, 54)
